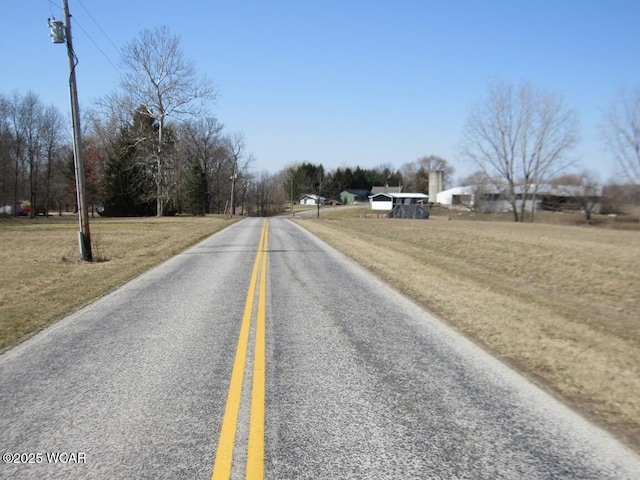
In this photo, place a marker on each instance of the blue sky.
(347, 83)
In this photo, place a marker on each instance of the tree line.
(36, 159)
(153, 147)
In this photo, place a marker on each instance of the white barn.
(456, 196)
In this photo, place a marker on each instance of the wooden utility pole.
(84, 235)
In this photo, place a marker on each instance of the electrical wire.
(95, 44)
(75, 21)
(98, 25)
(51, 4)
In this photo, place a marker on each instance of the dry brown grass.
(42, 279)
(562, 303)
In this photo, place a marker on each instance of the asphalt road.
(336, 377)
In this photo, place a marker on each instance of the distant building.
(352, 195)
(311, 199)
(488, 198)
(456, 196)
(386, 201)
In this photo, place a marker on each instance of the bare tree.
(267, 193)
(202, 139)
(240, 162)
(6, 147)
(520, 138)
(621, 132)
(26, 119)
(590, 195)
(164, 81)
(584, 189)
(17, 148)
(31, 125)
(415, 175)
(479, 186)
(52, 142)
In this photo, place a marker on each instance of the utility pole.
(60, 34)
(233, 189)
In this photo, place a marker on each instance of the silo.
(435, 184)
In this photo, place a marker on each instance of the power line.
(96, 45)
(98, 25)
(51, 4)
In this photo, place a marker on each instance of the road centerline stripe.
(224, 454)
(255, 453)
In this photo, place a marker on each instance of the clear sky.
(346, 82)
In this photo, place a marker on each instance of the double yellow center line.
(255, 449)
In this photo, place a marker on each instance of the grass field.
(559, 302)
(42, 278)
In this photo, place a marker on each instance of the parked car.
(40, 210)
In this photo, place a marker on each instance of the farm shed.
(386, 201)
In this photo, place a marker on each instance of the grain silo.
(435, 184)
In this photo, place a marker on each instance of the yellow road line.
(224, 453)
(255, 454)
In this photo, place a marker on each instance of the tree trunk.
(159, 184)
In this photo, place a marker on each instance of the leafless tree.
(480, 186)
(202, 139)
(267, 194)
(584, 189)
(52, 135)
(591, 193)
(31, 138)
(26, 122)
(17, 148)
(520, 137)
(6, 147)
(621, 132)
(160, 77)
(415, 175)
(31, 116)
(240, 162)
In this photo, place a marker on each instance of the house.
(386, 201)
(312, 199)
(354, 195)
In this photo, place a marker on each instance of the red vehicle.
(40, 210)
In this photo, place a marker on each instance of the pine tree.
(195, 190)
(129, 185)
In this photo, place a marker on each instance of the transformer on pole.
(61, 33)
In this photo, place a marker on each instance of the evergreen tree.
(129, 186)
(195, 192)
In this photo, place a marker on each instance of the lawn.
(42, 278)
